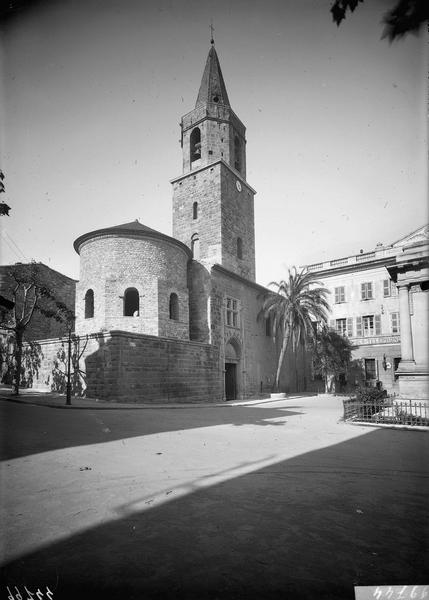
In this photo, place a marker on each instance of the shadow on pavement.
(27, 429)
(313, 526)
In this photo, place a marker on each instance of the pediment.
(420, 235)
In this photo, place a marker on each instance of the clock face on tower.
(238, 185)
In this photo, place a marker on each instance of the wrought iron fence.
(387, 410)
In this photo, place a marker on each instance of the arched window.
(89, 304)
(131, 303)
(195, 143)
(237, 153)
(195, 246)
(174, 307)
(195, 210)
(239, 248)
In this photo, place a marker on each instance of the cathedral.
(178, 318)
(170, 318)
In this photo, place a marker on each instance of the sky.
(92, 92)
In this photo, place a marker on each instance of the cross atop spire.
(211, 33)
(212, 88)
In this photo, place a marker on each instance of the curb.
(389, 426)
(106, 406)
(138, 406)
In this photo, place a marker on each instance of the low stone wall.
(129, 367)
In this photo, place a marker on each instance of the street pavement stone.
(262, 500)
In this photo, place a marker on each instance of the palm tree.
(292, 308)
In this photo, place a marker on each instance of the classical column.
(407, 354)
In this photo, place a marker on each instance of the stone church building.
(170, 318)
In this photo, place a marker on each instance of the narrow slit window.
(89, 304)
(195, 210)
(239, 248)
(174, 307)
(237, 153)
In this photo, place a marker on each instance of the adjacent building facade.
(366, 307)
(63, 287)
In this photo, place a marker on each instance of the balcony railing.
(315, 267)
(385, 252)
(339, 262)
(365, 257)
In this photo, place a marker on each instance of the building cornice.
(212, 164)
(130, 234)
(350, 267)
(203, 110)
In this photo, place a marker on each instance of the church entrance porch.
(230, 381)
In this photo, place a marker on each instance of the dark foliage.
(369, 394)
(372, 401)
(331, 356)
(406, 16)
(4, 208)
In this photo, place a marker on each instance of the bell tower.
(213, 207)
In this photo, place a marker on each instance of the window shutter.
(332, 324)
(350, 326)
(359, 326)
(362, 291)
(369, 296)
(337, 295)
(386, 287)
(377, 321)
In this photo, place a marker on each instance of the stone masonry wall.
(129, 367)
(259, 354)
(218, 125)
(237, 221)
(203, 187)
(224, 215)
(155, 267)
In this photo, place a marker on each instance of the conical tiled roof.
(212, 88)
(133, 226)
(133, 229)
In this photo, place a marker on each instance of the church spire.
(212, 88)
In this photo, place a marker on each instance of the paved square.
(270, 500)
